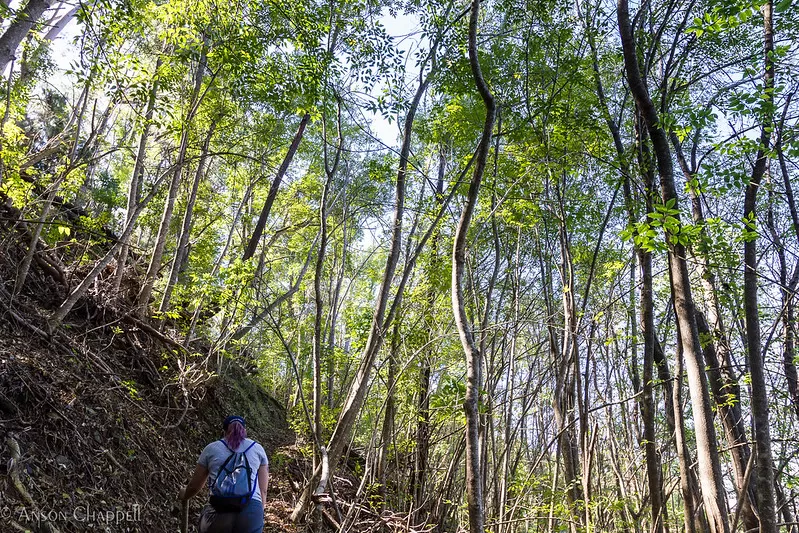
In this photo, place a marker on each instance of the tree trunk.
(764, 466)
(359, 385)
(688, 484)
(653, 468)
(154, 267)
(566, 369)
(654, 473)
(252, 246)
(647, 404)
(707, 451)
(20, 27)
(418, 479)
(182, 250)
(334, 304)
(387, 431)
(474, 495)
(726, 394)
(134, 190)
(505, 466)
(789, 287)
(318, 341)
(723, 384)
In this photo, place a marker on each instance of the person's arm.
(195, 483)
(263, 482)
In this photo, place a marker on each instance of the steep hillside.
(102, 422)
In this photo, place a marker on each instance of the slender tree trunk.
(654, 475)
(154, 267)
(318, 341)
(77, 293)
(182, 250)
(318, 319)
(505, 472)
(725, 391)
(134, 190)
(487, 428)
(690, 502)
(334, 304)
(443, 505)
(252, 246)
(764, 465)
(566, 365)
(418, 479)
(789, 287)
(723, 383)
(387, 431)
(647, 403)
(474, 496)
(707, 450)
(358, 387)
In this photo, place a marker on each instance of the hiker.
(237, 471)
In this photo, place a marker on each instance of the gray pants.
(248, 520)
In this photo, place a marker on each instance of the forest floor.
(102, 421)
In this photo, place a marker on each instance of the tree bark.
(707, 451)
(182, 250)
(252, 246)
(134, 189)
(19, 28)
(154, 267)
(474, 489)
(764, 465)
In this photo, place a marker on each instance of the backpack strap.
(255, 484)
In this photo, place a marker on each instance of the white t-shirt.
(216, 453)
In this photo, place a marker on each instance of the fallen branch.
(13, 470)
(13, 473)
(154, 332)
(331, 520)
